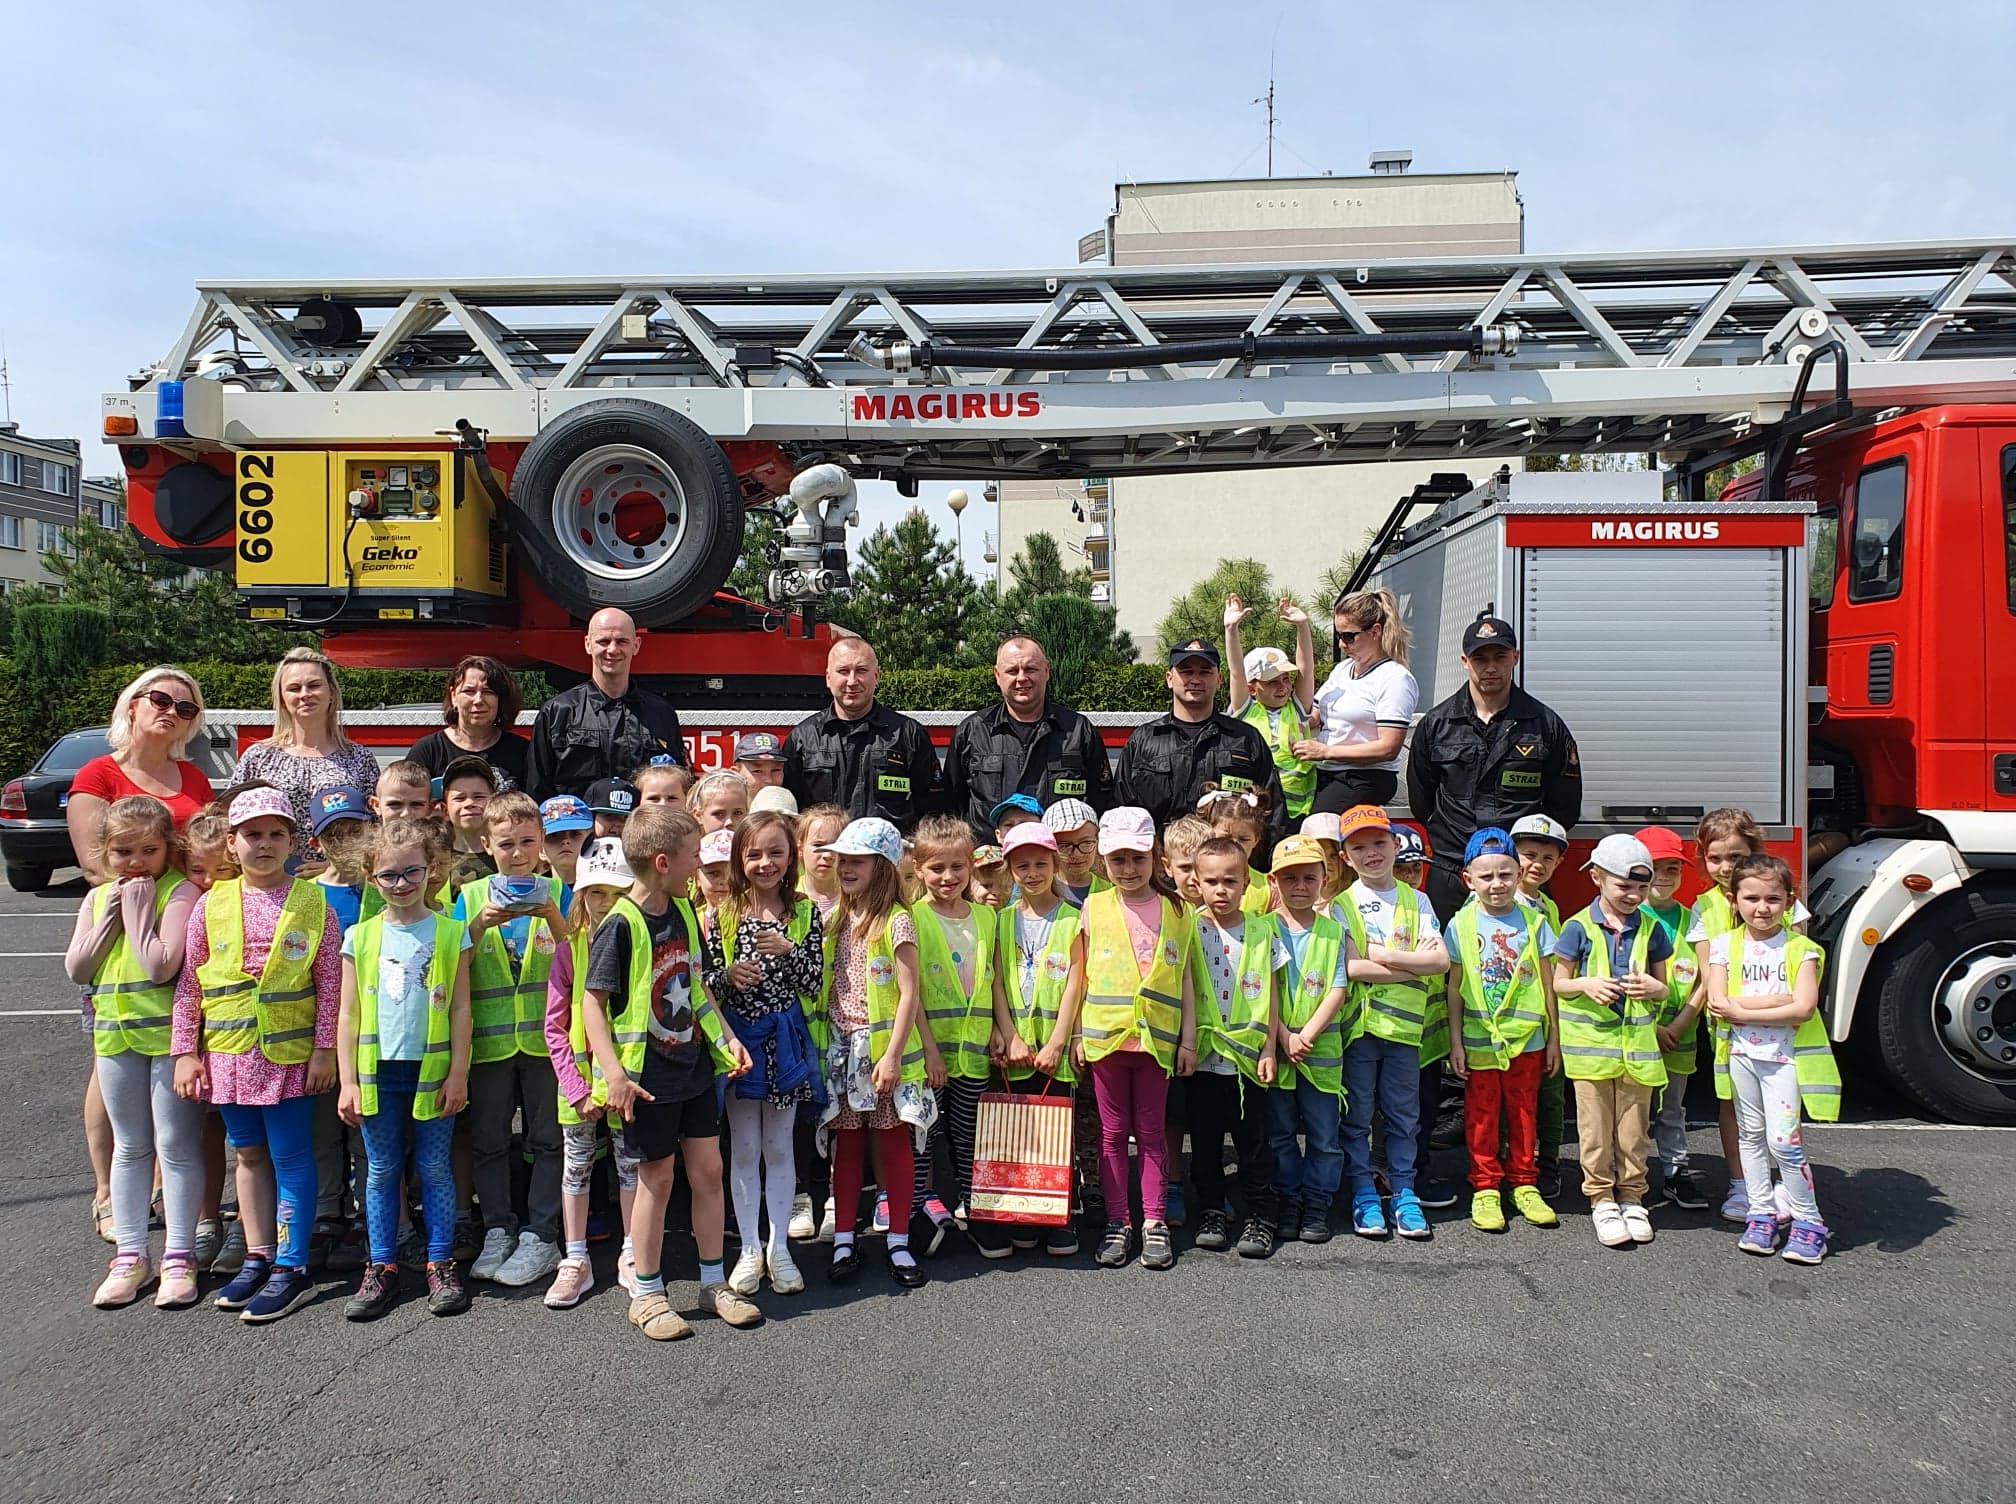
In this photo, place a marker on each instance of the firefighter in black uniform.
(862, 756)
(1485, 756)
(1028, 744)
(1166, 764)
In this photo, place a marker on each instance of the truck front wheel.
(1946, 1006)
(622, 502)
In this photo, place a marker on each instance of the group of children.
(617, 976)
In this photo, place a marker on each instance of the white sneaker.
(497, 1247)
(804, 1225)
(784, 1276)
(1637, 1222)
(1736, 1205)
(826, 1222)
(747, 1278)
(1611, 1230)
(533, 1260)
(626, 1273)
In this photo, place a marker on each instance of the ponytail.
(1377, 607)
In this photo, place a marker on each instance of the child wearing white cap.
(1275, 694)
(1609, 977)
(1075, 824)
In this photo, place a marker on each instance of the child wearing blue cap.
(565, 822)
(1016, 809)
(1504, 1037)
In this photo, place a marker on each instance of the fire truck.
(423, 468)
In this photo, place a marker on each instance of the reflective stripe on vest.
(1491, 1037)
(507, 1010)
(129, 1009)
(884, 993)
(1036, 1016)
(436, 1057)
(1813, 1063)
(632, 1026)
(1121, 1001)
(1240, 1034)
(1598, 1043)
(1681, 972)
(1298, 778)
(960, 1023)
(1416, 1012)
(1323, 1066)
(276, 1012)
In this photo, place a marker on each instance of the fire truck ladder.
(1118, 370)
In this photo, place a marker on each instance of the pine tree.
(913, 599)
(1200, 611)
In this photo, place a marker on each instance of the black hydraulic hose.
(1475, 341)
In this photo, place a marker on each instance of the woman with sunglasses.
(154, 720)
(1365, 706)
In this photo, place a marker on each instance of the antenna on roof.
(6, 386)
(1268, 98)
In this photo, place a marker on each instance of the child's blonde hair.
(140, 815)
(941, 833)
(715, 782)
(1184, 834)
(811, 819)
(425, 834)
(509, 808)
(406, 773)
(1366, 609)
(882, 897)
(656, 830)
(680, 776)
(209, 832)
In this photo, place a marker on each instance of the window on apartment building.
(56, 478)
(48, 537)
(10, 532)
(110, 515)
(10, 468)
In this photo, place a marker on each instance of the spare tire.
(625, 503)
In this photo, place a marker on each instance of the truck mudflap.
(1862, 898)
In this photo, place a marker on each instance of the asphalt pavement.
(1534, 1364)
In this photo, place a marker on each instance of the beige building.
(1148, 539)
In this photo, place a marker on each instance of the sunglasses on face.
(184, 708)
(404, 877)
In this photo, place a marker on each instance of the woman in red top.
(153, 721)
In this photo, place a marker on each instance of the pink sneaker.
(626, 1273)
(572, 1279)
(129, 1275)
(178, 1285)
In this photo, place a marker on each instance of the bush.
(56, 643)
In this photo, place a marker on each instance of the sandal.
(653, 1316)
(101, 1216)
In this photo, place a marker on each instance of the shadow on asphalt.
(1908, 1209)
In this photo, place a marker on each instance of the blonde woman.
(307, 751)
(1364, 707)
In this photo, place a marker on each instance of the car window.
(71, 752)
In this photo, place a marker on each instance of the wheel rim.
(1974, 1007)
(619, 513)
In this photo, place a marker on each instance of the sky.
(148, 146)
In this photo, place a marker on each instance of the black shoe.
(1448, 1130)
(988, 1239)
(1655, 1194)
(1157, 1250)
(328, 1232)
(445, 1293)
(1212, 1233)
(1315, 1226)
(1685, 1192)
(351, 1251)
(927, 1236)
(468, 1239)
(1256, 1239)
(1061, 1242)
(1115, 1245)
(375, 1294)
(909, 1274)
(1436, 1195)
(846, 1265)
(1288, 1223)
(1549, 1179)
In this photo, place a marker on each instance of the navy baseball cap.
(751, 745)
(1024, 802)
(612, 796)
(344, 802)
(1489, 632)
(1490, 841)
(565, 812)
(1196, 647)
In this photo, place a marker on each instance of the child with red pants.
(1507, 1038)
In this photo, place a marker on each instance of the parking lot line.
(38, 1013)
(28, 955)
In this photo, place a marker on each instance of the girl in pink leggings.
(1139, 1022)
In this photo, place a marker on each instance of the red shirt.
(104, 777)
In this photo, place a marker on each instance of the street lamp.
(956, 500)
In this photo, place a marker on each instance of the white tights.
(760, 1139)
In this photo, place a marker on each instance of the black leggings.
(1337, 792)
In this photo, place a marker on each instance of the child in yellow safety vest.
(402, 1053)
(1276, 695)
(1138, 1025)
(513, 937)
(255, 1033)
(1609, 978)
(875, 1071)
(1540, 841)
(1305, 1111)
(602, 875)
(126, 952)
(1239, 968)
(1403, 1025)
(1679, 1016)
(1241, 815)
(1764, 984)
(1504, 1036)
(1721, 839)
(812, 1214)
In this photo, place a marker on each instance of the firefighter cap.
(1489, 632)
(1195, 647)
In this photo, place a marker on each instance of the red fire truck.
(423, 468)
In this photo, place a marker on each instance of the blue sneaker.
(244, 1284)
(881, 1222)
(1368, 1216)
(1760, 1236)
(1409, 1220)
(287, 1287)
(1806, 1244)
(1174, 1209)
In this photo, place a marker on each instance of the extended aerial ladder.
(611, 430)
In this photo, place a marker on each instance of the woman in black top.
(480, 706)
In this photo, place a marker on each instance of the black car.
(34, 840)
